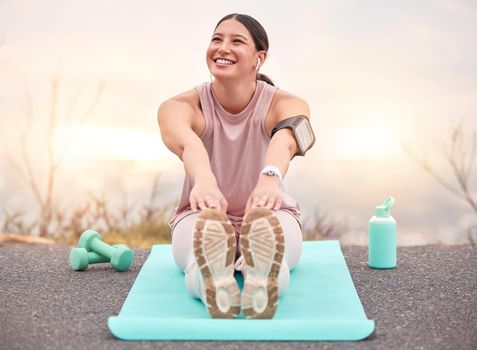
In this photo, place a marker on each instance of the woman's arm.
(281, 149)
(175, 120)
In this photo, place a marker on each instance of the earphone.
(258, 63)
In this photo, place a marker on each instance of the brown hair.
(258, 33)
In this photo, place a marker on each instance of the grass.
(140, 235)
(136, 226)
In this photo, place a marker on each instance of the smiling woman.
(235, 136)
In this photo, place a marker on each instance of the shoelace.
(240, 263)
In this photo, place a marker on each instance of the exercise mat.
(321, 303)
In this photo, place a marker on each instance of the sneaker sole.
(214, 250)
(263, 244)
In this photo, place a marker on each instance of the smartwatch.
(270, 170)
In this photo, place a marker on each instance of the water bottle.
(382, 245)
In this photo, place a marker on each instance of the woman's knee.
(293, 237)
(182, 241)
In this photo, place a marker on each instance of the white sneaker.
(214, 251)
(262, 244)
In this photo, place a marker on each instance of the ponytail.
(266, 79)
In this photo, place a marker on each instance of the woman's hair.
(258, 34)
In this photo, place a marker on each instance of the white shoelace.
(240, 263)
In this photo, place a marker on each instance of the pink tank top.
(236, 144)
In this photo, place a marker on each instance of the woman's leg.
(271, 244)
(293, 237)
(293, 248)
(182, 241)
(183, 254)
(204, 247)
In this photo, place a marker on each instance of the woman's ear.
(261, 57)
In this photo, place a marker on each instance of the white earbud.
(258, 63)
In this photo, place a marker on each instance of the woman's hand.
(267, 194)
(207, 195)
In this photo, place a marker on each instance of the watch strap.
(271, 170)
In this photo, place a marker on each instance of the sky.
(376, 75)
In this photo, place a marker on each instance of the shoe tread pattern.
(214, 250)
(262, 244)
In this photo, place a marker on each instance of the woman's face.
(233, 43)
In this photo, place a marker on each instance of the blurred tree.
(460, 161)
(322, 226)
(44, 192)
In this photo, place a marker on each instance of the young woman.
(236, 136)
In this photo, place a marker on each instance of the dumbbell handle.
(102, 248)
(94, 258)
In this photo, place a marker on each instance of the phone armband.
(302, 132)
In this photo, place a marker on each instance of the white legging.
(182, 250)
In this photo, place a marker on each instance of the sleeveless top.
(236, 145)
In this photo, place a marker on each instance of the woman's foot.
(263, 244)
(214, 250)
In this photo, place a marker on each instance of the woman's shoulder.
(282, 96)
(186, 105)
(189, 98)
(286, 104)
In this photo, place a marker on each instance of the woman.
(234, 212)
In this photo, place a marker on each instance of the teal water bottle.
(382, 241)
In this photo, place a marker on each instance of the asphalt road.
(428, 302)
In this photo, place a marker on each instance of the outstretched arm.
(281, 149)
(175, 121)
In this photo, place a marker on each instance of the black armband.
(302, 132)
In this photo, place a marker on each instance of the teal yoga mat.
(321, 303)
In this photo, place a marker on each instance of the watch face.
(270, 172)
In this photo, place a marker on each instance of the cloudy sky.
(376, 74)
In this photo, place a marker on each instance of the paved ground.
(428, 302)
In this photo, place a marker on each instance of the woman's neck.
(234, 96)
